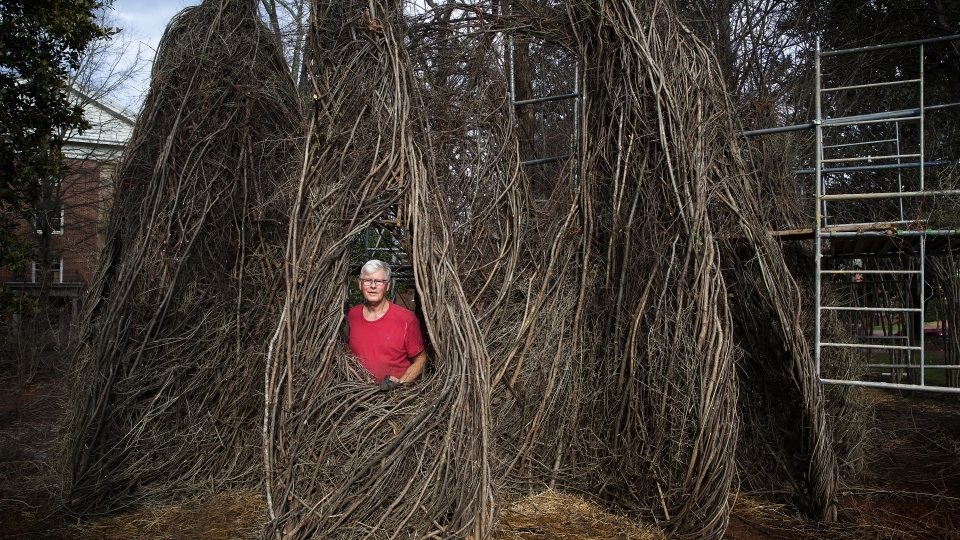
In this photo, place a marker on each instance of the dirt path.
(29, 483)
(909, 489)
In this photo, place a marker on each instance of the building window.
(56, 221)
(56, 268)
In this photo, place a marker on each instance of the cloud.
(142, 23)
(147, 19)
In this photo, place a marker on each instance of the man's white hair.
(372, 266)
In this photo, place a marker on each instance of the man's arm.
(416, 368)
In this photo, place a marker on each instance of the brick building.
(80, 202)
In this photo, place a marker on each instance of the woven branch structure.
(186, 294)
(346, 461)
(591, 329)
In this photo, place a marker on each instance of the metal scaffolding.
(379, 241)
(574, 97)
(871, 230)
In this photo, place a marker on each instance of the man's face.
(373, 291)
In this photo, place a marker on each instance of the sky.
(143, 21)
(147, 18)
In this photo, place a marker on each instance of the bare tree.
(290, 19)
(67, 219)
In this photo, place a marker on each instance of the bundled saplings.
(344, 460)
(602, 309)
(582, 331)
(665, 192)
(170, 367)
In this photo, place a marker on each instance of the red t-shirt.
(387, 345)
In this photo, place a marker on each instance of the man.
(384, 336)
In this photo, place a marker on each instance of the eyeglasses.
(372, 282)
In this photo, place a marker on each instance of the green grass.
(933, 354)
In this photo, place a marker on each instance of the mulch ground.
(909, 488)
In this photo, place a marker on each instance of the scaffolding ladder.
(852, 225)
(575, 95)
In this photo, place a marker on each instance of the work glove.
(389, 384)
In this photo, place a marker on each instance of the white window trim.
(56, 231)
(33, 271)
